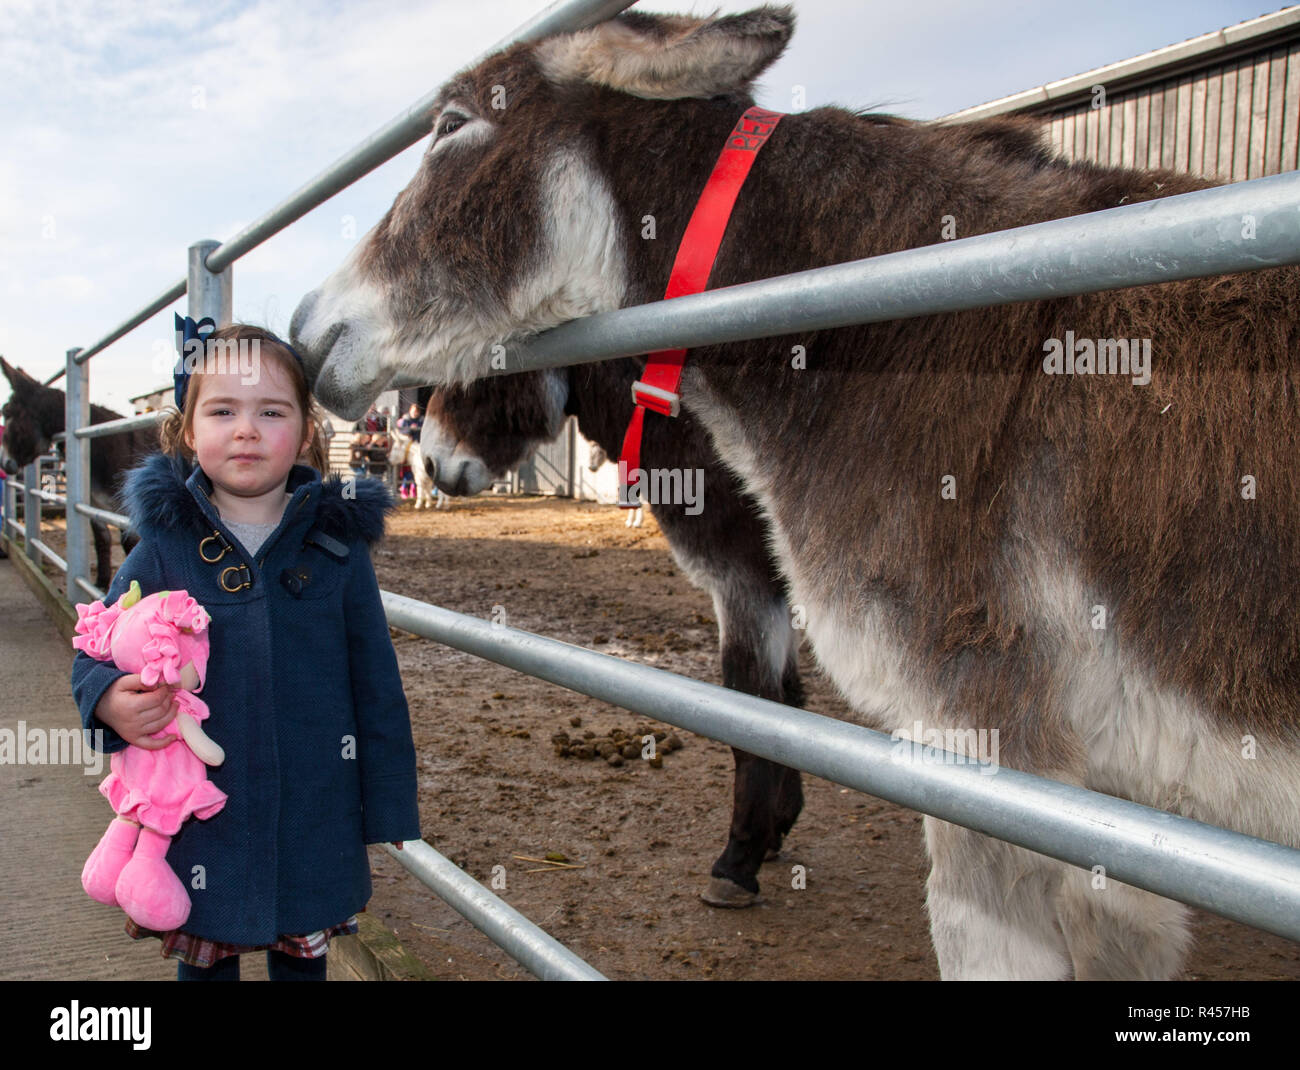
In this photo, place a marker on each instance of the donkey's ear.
(669, 57)
(15, 375)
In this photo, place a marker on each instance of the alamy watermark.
(1101, 356)
(661, 486)
(75, 1022)
(946, 746)
(215, 356)
(52, 746)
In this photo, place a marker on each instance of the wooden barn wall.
(1229, 122)
(550, 469)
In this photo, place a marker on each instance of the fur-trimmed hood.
(162, 494)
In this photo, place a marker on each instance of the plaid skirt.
(197, 951)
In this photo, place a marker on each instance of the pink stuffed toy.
(163, 636)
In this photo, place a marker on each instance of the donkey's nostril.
(430, 468)
(331, 336)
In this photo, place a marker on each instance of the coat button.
(295, 579)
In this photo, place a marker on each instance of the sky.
(130, 129)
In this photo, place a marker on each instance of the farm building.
(1225, 105)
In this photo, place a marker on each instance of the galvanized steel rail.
(537, 951)
(30, 528)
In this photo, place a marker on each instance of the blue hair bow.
(190, 342)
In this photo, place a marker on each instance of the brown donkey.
(475, 433)
(1072, 523)
(34, 413)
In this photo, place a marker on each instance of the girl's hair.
(174, 426)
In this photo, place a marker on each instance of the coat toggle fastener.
(233, 577)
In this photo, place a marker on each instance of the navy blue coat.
(304, 693)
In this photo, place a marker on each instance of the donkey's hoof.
(727, 893)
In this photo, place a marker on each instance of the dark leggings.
(279, 966)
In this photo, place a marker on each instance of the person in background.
(360, 453)
(378, 454)
(410, 425)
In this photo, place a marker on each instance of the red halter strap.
(657, 387)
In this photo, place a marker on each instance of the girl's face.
(247, 436)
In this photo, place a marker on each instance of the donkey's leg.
(789, 788)
(992, 908)
(788, 803)
(756, 639)
(753, 833)
(1116, 932)
(425, 484)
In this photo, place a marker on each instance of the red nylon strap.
(691, 268)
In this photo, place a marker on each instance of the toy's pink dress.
(161, 788)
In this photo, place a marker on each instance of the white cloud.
(67, 287)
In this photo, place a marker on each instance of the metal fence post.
(210, 293)
(76, 457)
(32, 510)
(571, 456)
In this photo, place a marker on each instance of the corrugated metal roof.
(1154, 66)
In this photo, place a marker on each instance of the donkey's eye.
(448, 124)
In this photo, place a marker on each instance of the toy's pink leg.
(104, 866)
(150, 893)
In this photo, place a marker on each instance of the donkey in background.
(474, 433)
(405, 451)
(35, 413)
(998, 503)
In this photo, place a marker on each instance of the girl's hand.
(398, 845)
(135, 712)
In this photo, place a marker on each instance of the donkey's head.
(476, 432)
(31, 415)
(512, 224)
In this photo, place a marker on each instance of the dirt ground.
(492, 787)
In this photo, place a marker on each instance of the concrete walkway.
(51, 817)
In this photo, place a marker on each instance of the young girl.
(302, 681)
